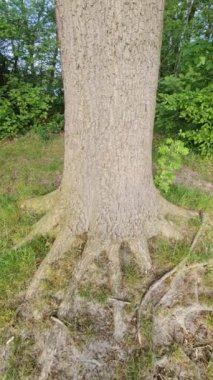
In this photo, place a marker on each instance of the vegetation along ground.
(29, 167)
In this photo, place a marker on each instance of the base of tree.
(86, 315)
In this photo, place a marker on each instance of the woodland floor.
(30, 167)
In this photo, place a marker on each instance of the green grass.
(138, 366)
(131, 273)
(169, 253)
(210, 370)
(16, 267)
(190, 198)
(22, 363)
(28, 167)
(146, 328)
(99, 295)
(202, 165)
(14, 223)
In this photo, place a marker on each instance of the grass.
(146, 329)
(16, 267)
(169, 253)
(190, 198)
(131, 273)
(22, 363)
(89, 293)
(28, 167)
(208, 278)
(137, 367)
(202, 165)
(210, 370)
(31, 167)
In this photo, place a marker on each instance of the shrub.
(188, 114)
(184, 107)
(55, 124)
(169, 159)
(22, 107)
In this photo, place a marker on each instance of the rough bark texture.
(110, 58)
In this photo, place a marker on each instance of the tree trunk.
(110, 62)
(110, 59)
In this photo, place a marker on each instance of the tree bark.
(110, 62)
(110, 59)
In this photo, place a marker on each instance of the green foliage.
(187, 35)
(28, 39)
(201, 138)
(54, 125)
(22, 106)
(30, 75)
(184, 106)
(189, 113)
(170, 158)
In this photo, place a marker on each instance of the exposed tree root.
(172, 300)
(169, 230)
(91, 252)
(61, 245)
(47, 224)
(170, 208)
(93, 249)
(116, 284)
(140, 250)
(41, 204)
(205, 222)
(170, 286)
(172, 303)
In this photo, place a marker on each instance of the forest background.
(31, 93)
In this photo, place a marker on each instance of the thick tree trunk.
(110, 59)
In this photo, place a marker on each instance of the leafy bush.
(187, 113)
(22, 107)
(54, 125)
(169, 159)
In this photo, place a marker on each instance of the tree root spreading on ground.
(163, 301)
